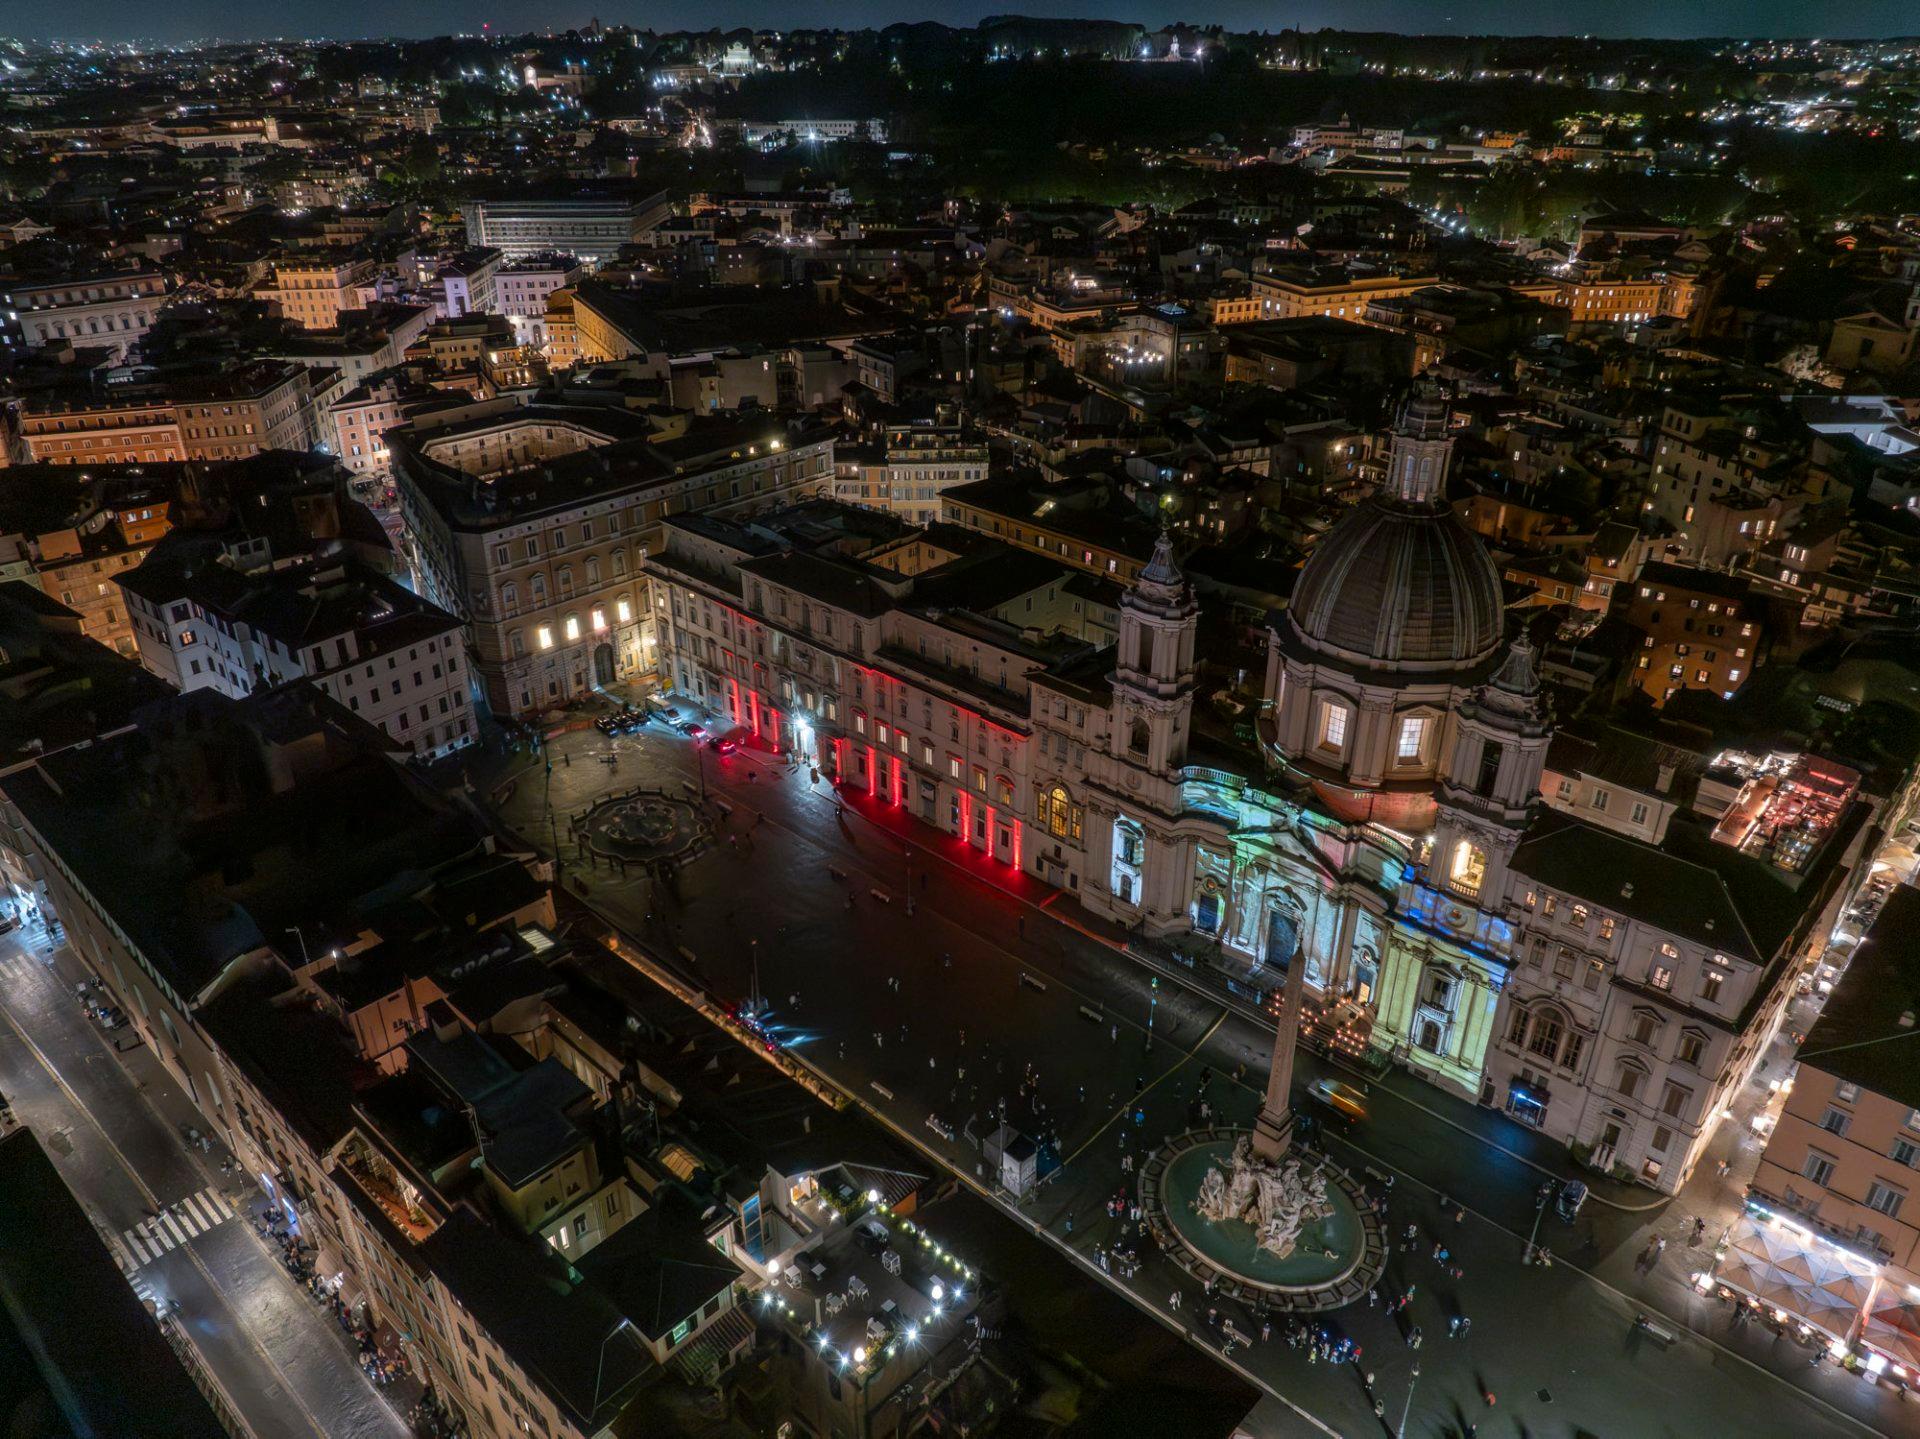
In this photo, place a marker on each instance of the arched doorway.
(603, 664)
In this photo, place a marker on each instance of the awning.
(1893, 1326)
(1799, 1274)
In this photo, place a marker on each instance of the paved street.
(927, 1019)
(112, 1124)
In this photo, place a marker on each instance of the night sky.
(169, 20)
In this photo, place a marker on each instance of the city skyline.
(181, 21)
(872, 733)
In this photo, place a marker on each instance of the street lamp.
(1413, 1380)
(1153, 1007)
(908, 851)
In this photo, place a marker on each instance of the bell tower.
(1492, 778)
(1153, 677)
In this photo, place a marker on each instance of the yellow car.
(1342, 1098)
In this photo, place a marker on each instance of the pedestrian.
(1173, 1300)
(1266, 1330)
(1373, 1296)
(1489, 1397)
(1069, 1224)
(1115, 1032)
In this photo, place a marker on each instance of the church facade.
(1395, 842)
(1385, 830)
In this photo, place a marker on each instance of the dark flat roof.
(77, 1347)
(1858, 1036)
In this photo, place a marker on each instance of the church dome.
(1399, 586)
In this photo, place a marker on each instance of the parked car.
(721, 746)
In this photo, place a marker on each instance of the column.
(1273, 1130)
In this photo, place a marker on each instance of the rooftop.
(1864, 1033)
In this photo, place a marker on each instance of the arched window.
(1059, 812)
(538, 585)
(1468, 869)
(1139, 737)
(1545, 1039)
(593, 570)
(509, 598)
(1143, 650)
(619, 562)
(566, 579)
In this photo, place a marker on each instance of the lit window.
(1469, 868)
(1333, 726)
(624, 610)
(546, 637)
(1413, 734)
(1661, 977)
(599, 620)
(573, 627)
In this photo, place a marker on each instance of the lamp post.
(908, 851)
(1413, 1381)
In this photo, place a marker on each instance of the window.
(1640, 1031)
(1660, 977)
(1885, 1198)
(573, 627)
(1904, 1152)
(1674, 1102)
(1546, 1037)
(1600, 800)
(1413, 735)
(1596, 971)
(1576, 1046)
(1638, 814)
(1846, 1092)
(1333, 726)
(1577, 916)
(1816, 1167)
(1835, 1121)
(1606, 927)
(1631, 1076)
(1710, 983)
(1693, 1044)
(1469, 869)
(545, 634)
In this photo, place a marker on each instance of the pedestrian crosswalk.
(21, 965)
(175, 1225)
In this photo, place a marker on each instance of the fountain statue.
(1277, 1200)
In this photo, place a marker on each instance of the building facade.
(533, 523)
